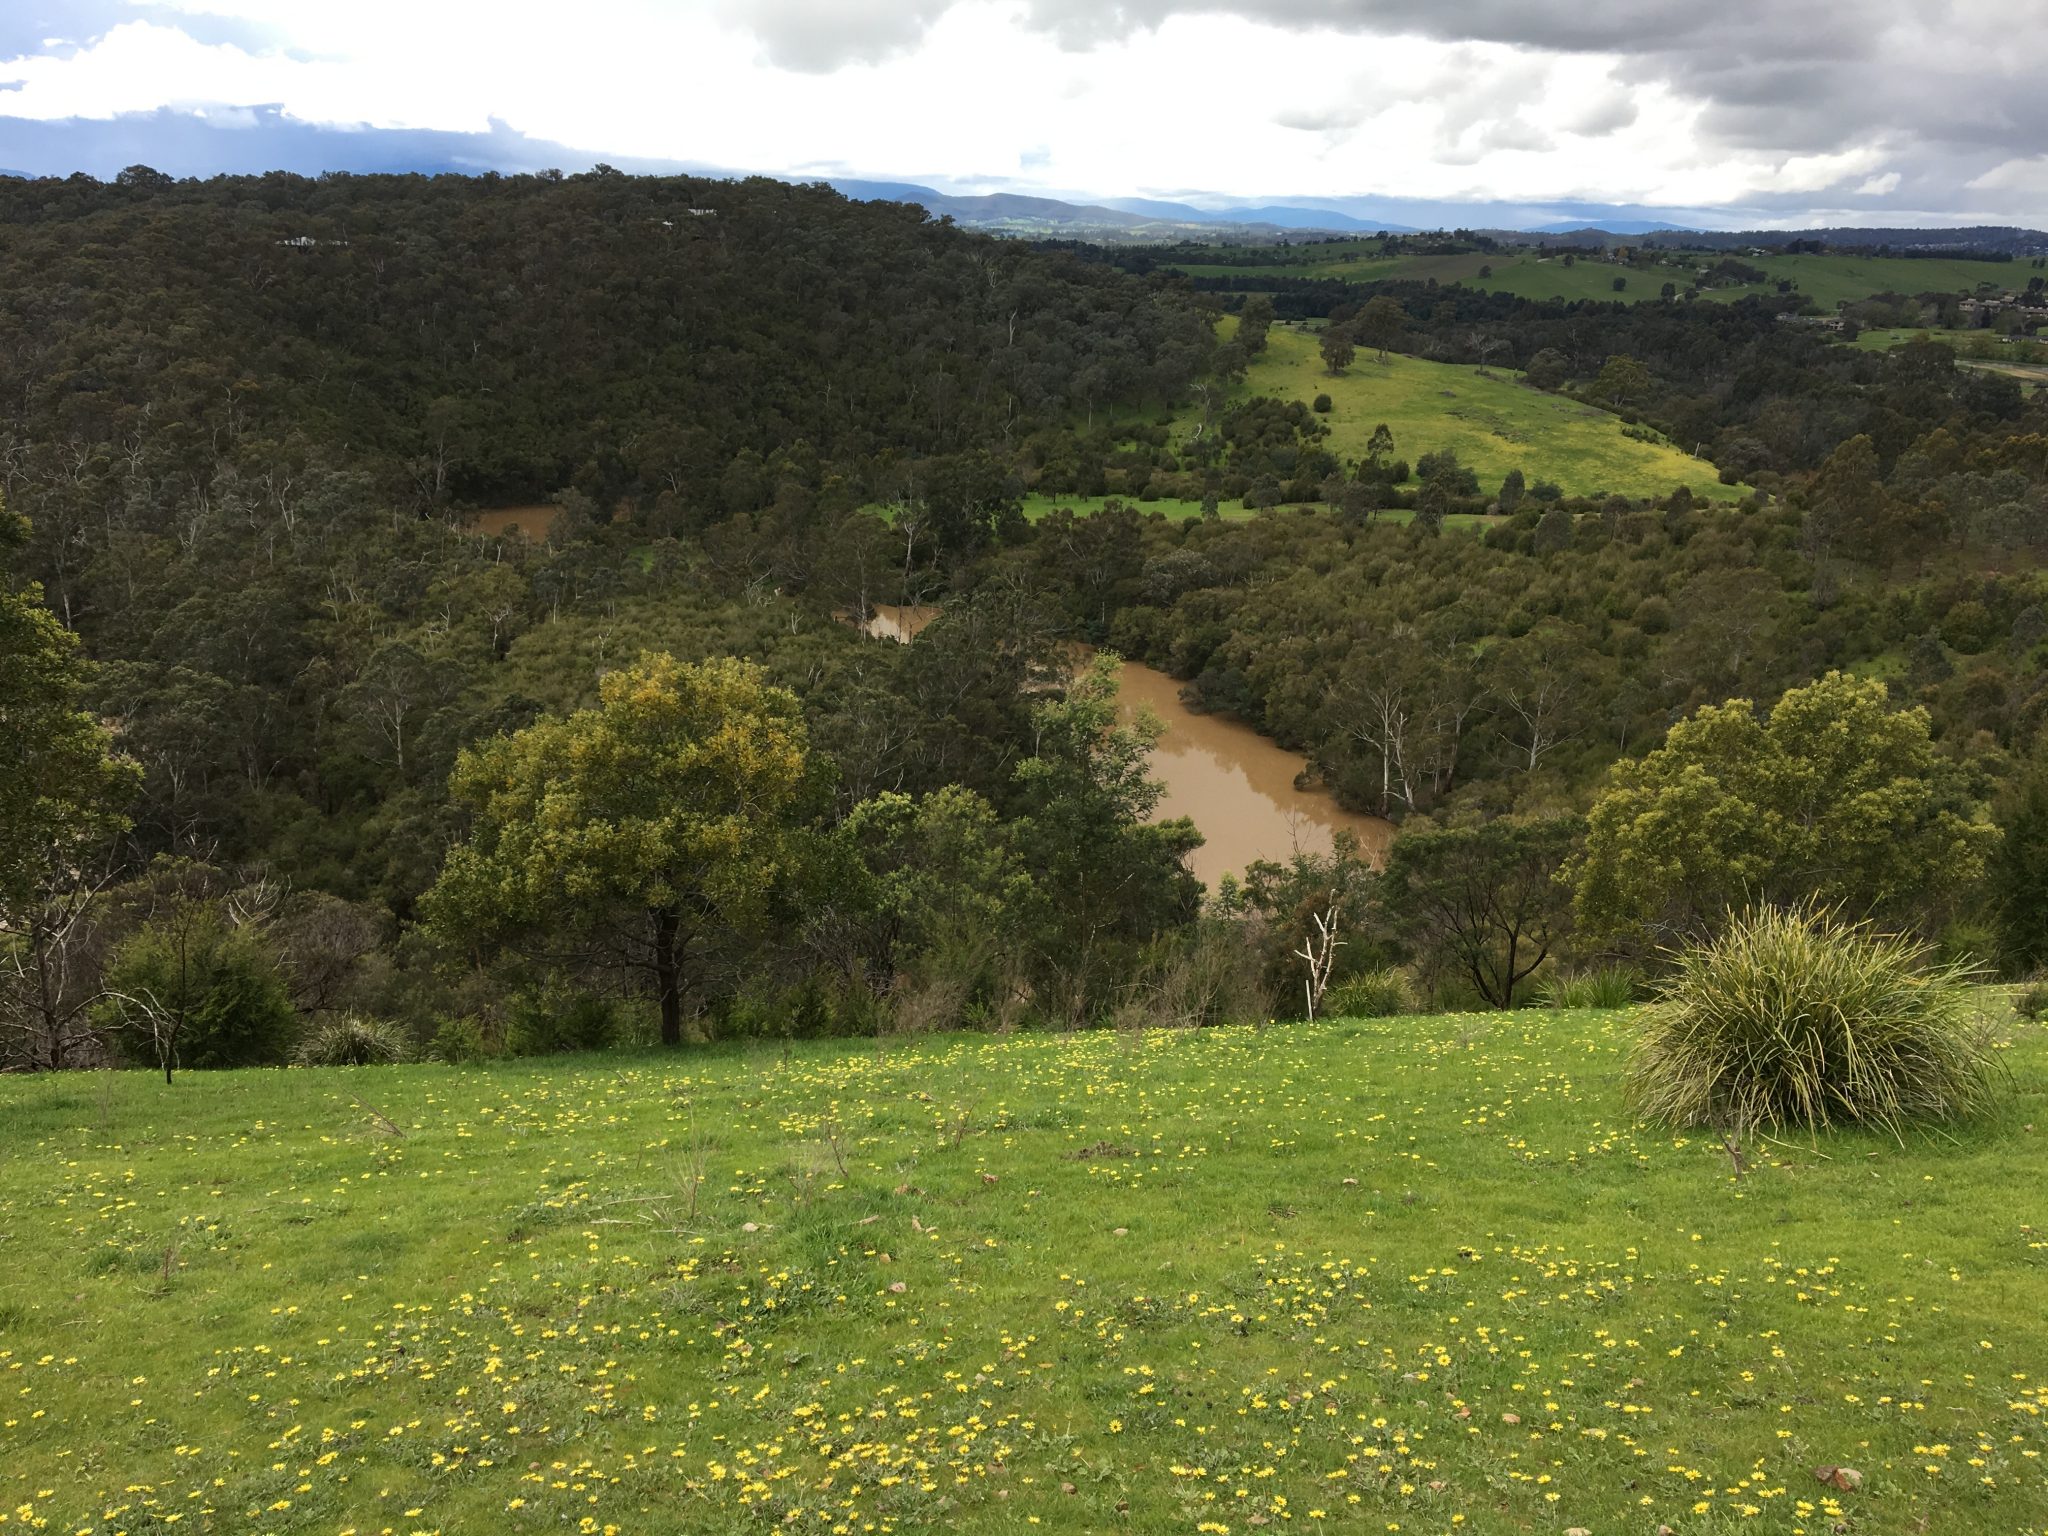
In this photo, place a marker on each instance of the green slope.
(1496, 423)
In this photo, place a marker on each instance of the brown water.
(1237, 786)
(533, 522)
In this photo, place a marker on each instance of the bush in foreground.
(352, 1042)
(1796, 1019)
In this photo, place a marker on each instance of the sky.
(1743, 113)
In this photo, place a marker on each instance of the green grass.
(1530, 274)
(1424, 1274)
(1832, 279)
(2023, 359)
(1495, 423)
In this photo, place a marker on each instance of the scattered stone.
(1848, 1479)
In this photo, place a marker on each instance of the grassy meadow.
(1495, 422)
(1418, 1275)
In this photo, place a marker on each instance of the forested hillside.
(247, 422)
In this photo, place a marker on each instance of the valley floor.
(1423, 1275)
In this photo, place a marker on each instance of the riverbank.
(1242, 790)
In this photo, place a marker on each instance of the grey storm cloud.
(1946, 88)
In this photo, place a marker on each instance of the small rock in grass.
(1848, 1479)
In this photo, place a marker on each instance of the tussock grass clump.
(1607, 986)
(1796, 1019)
(352, 1042)
(1373, 995)
(2031, 1001)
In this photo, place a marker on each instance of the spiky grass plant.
(1373, 995)
(353, 1042)
(1606, 986)
(1797, 1019)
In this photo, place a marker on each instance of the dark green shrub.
(1322, 405)
(2031, 1001)
(353, 1042)
(1796, 1019)
(459, 1041)
(560, 1018)
(193, 988)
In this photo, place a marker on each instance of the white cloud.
(1254, 104)
(2026, 175)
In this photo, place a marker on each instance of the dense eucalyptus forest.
(247, 424)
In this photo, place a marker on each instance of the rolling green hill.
(1495, 422)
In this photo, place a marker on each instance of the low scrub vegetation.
(1606, 986)
(1796, 1019)
(353, 1042)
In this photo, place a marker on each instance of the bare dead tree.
(49, 977)
(161, 1025)
(1319, 952)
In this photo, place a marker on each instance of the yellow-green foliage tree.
(62, 794)
(60, 787)
(665, 814)
(1833, 798)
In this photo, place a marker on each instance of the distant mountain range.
(182, 145)
(1135, 218)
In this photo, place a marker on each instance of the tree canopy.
(665, 810)
(1834, 798)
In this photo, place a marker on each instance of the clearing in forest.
(1494, 421)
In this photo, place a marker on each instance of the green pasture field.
(1495, 423)
(1531, 274)
(2024, 358)
(1416, 1275)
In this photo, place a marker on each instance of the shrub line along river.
(1240, 788)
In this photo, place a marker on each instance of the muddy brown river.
(533, 522)
(1237, 786)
